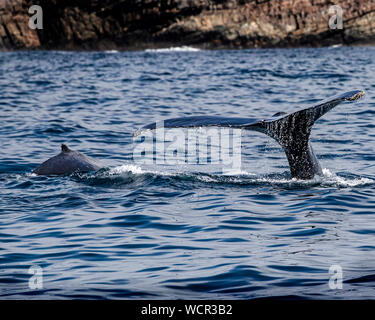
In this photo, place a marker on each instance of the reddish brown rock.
(138, 24)
(14, 27)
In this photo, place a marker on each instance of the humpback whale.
(66, 162)
(291, 131)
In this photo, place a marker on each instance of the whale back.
(67, 162)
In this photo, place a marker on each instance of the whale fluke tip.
(64, 148)
(357, 95)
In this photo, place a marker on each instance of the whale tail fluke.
(291, 131)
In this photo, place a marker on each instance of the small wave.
(111, 51)
(128, 173)
(125, 169)
(328, 179)
(333, 179)
(238, 177)
(136, 170)
(173, 49)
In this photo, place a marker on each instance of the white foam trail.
(172, 49)
(240, 176)
(207, 179)
(126, 168)
(331, 178)
(134, 169)
(238, 172)
(111, 51)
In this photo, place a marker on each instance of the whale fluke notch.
(291, 131)
(68, 161)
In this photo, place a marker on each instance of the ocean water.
(184, 232)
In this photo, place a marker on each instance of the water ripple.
(136, 231)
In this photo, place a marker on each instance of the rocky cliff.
(138, 24)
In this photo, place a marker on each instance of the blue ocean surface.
(131, 231)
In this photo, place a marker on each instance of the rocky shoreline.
(208, 24)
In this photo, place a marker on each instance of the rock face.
(14, 27)
(139, 24)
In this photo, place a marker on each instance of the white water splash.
(331, 178)
(136, 170)
(126, 168)
(241, 176)
(336, 45)
(172, 49)
(238, 172)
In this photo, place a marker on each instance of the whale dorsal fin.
(64, 148)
